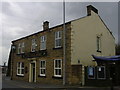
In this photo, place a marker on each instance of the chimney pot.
(91, 8)
(45, 25)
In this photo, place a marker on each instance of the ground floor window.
(101, 72)
(42, 67)
(57, 67)
(91, 72)
(20, 68)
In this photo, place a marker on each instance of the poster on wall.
(91, 72)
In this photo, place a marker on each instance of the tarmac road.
(8, 84)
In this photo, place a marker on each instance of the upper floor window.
(19, 48)
(58, 39)
(98, 43)
(42, 68)
(58, 67)
(42, 42)
(22, 47)
(33, 47)
(20, 68)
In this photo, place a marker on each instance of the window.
(20, 68)
(58, 37)
(19, 48)
(22, 47)
(91, 73)
(57, 67)
(101, 72)
(98, 43)
(33, 45)
(42, 68)
(43, 43)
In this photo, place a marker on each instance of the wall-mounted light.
(13, 47)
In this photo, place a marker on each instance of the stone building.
(39, 57)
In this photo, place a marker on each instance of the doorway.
(32, 74)
(113, 73)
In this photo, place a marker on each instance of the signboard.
(91, 72)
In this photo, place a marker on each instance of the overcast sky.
(20, 19)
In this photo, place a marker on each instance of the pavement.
(7, 83)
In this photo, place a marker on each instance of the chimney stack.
(91, 8)
(46, 25)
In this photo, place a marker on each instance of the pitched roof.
(62, 25)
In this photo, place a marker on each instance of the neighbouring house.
(4, 68)
(111, 74)
(40, 57)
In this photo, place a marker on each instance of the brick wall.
(52, 54)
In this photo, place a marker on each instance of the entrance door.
(32, 76)
(33, 71)
(113, 73)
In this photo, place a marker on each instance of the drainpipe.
(11, 64)
(64, 46)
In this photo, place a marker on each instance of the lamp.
(13, 47)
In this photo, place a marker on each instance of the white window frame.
(21, 68)
(19, 48)
(93, 72)
(58, 36)
(33, 45)
(57, 68)
(98, 43)
(104, 72)
(22, 47)
(43, 42)
(41, 68)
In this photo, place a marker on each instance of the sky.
(19, 19)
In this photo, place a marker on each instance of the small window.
(42, 68)
(19, 48)
(91, 73)
(98, 43)
(33, 47)
(58, 68)
(43, 43)
(101, 72)
(58, 39)
(23, 47)
(20, 68)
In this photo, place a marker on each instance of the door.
(113, 74)
(33, 72)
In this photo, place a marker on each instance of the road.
(13, 84)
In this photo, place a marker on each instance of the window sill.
(99, 51)
(101, 78)
(57, 48)
(56, 77)
(32, 51)
(43, 49)
(91, 77)
(42, 76)
(20, 53)
(20, 75)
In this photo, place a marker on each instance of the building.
(39, 57)
(3, 68)
(112, 72)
